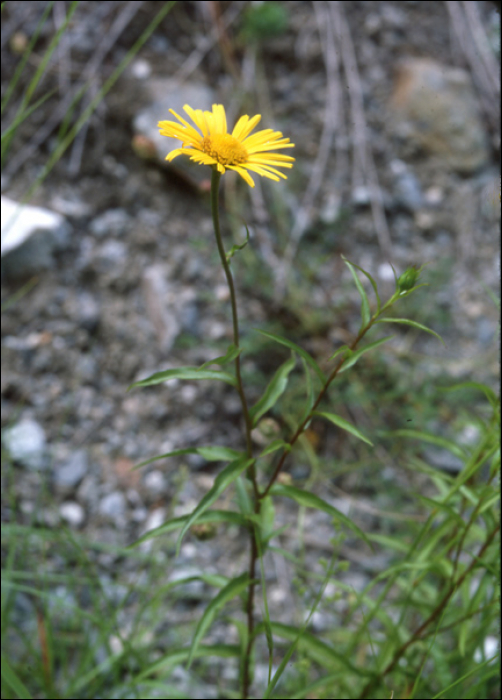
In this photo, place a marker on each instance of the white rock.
(73, 513)
(30, 235)
(26, 444)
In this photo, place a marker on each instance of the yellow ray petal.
(244, 126)
(243, 173)
(197, 116)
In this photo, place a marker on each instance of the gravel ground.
(135, 286)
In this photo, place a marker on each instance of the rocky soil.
(397, 160)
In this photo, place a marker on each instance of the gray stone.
(168, 94)
(72, 471)
(26, 444)
(111, 254)
(443, 459)
(113, 222)
(407, 188)
(113, 505)
(162, 305)
(30, 237)
(435, 107)
(88, 311)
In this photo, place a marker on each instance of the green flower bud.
(408, 279)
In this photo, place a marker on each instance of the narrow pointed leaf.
(373, 284)
(210, 516)
(237, 247)
(232, 589)
(222, 482)
(299, 351)
(185, 373)
(310, 500)
(12, 680)
(365, 304)
(407, 322)
(275, 445)
(487, 391)
(442, 442)
(354, 357)
(344, 349)
(230, 355)
(309, 386)
(273, 392)
(345, 425)
(211, 454)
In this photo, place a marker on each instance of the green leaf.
(365, 304)
(174, 658)
(210, 516)
(373, 284)
(342, 349)
(345, 425)
(236, 586)
(321, 652)
(299, 351)
(267, 518)
(185, 373)
(310, 500)
(407, 322)
(309, 387)
(12, 680)
(354, 357)
(274, 390)
(222, 482)
(237, 247)
(231, 354)
(242, 496)
(211, 454)
(487, 391)
(275, 445)
(449, 445)
(433, 504)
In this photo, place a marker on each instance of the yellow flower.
(237, 151)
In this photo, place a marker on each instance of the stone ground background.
(129, 283)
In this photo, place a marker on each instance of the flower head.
(237, 151)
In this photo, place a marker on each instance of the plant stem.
(215, 181)
(251, 472)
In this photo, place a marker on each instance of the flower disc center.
(225, 149)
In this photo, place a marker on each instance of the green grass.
(408, 618)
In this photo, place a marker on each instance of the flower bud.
(408, 279)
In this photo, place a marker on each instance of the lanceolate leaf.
(365, 304)
(354, 357)
(275, 445)
(407, 322)
(310, 500)
(222, 482)
(230, 355)
(237, 247)
(373, 284)
(345, 425)
(343, 350)
(487, 391)
(211, 454)
(232, 589)
(299, 351)
(210, 516)
(437, 440)
(185, 373)
(274, 390)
